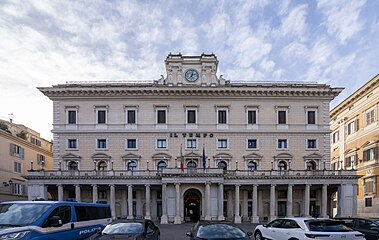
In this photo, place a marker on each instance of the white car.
(306, 228)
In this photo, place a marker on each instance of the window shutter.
(356, 160)
(365, 153)
(357, 125)
(22, 152)
(376, 153)
(11, 149)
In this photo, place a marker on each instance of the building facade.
(21, 149)
(355, 143)
(192, 146)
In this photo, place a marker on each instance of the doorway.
(282, 208)
(192, 205)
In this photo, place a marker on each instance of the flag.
(181, 160)
(204, 159)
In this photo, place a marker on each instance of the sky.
(49, 42)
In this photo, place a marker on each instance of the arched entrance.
(192, 205)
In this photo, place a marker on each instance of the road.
(178, 231)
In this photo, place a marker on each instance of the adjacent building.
(21, 149)
(355, 142)
(192, 146)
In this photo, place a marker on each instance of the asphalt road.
(178, 231)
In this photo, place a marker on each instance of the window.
(290, 223)
(18, 189)
(131, 143)
(222, 117)
(131, 117)
(369, 117)
(252, 117)
(222, 165)
(161, 165)
(282, 117)
(282, 144)
(17, 167)
(162, 143)
(311, 144)
(311, 166)
(282, 166)
(222, 143)
(72, 166)
(132, 166)
(191, 164)
(88, 213)
(102, 166)
(311, 117)
(16, 151)
(191, 116)
(370, 154)
(102, 143)
(352, 127)
(368, 202)
(191, 143)
(252, 166)
(369, 186)
(35, 141)
(336, 136)
(252, 144)
(71, 116)
(72, 144)
(41, 160)
(350, 161)
(161, 117)
(101, 116)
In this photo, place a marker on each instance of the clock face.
(191, 75)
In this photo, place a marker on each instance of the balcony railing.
(189, 172)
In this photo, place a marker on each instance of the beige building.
(265, 147)
(355, 143)
(21, 149)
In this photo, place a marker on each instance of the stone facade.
(21, 149)
(355, 143)
(251, 151)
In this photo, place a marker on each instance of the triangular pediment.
(253, 156)
(101, 156)
(369, 143)
(351, 150)
(192, 154)
(283, 156)
(130, 156)
(70, 156)
(313, 156)
(223, 156)
(161, 156)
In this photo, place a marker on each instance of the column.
(94, 193)
(60, 192)
(130, 202)
(324, 201)
(177, 219)
(355, 204)
(154, 204)
(254, 217)
(208, 201)
(77, 193)
(307, 199)
(148, 203)
(245, 205)
(164, 219)
(221, 202)
(230, 208)
(272, 203)
(289, 201)
(139, 205)
(237, 217)
(124, 205)
(113, 201)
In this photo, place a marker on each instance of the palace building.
(251, 151)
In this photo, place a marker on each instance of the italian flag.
(181, 159)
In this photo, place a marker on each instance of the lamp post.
(94, 165)
(31, 166)
(59, 166)
(112, 165)
(272, 165)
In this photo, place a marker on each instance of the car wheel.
(258, 235)
(293, 239)
(159, 237)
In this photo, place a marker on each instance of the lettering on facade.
(191, 135)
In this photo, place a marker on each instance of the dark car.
(129, 229)
(217, 230)
(369, 227)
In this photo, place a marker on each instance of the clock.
(191, 75)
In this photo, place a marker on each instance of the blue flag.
(204, 160)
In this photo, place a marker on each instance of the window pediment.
(161, 156)
(101, 156)
(370, 144)
(283, 156)
(194, 155)
(223, 156)
(71, 156)
(253, 156)
(353, 150)
(130, 156)
(313, 156)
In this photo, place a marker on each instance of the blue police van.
(51, 220)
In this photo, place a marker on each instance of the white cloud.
(342, 17)
(294, 24)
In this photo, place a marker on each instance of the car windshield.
(21, 214)
(123, 228)
(328, 226)
(217, 231)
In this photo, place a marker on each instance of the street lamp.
(94, 165)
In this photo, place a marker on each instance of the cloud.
(342, 17)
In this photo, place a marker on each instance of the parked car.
(217, 230)
(306, 228)
(369, 227)
(129, 229)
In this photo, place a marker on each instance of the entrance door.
(192, 205)
(282, 208)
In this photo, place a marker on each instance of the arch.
(223, 165)
(282, 165)
(192, 205)
(102, 165)
(72, 165)
(132, 165)
(161, 165)
(252, 165)
(311, 165)
(312, 161)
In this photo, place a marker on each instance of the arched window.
(191, 164)
(282, 166)
(311, 166)
(102, 166)
(72, 166)
(132, 166)
(161, 165)
(252, 166)
(223, 165)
